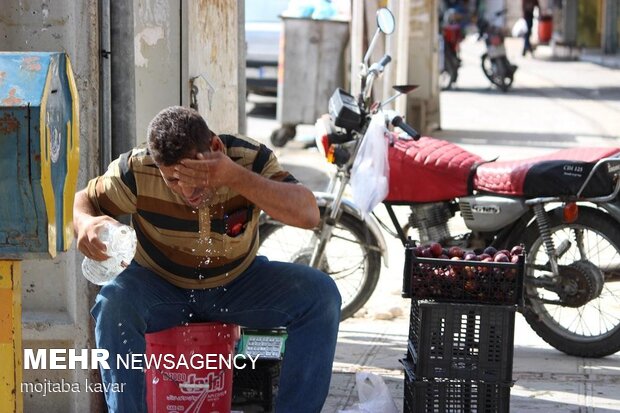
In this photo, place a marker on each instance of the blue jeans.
(268, 294)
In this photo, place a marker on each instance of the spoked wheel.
(499, 72)
(351, 257)
(579, 311)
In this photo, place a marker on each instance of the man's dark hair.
(175, 132)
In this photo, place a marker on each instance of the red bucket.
(189, 370)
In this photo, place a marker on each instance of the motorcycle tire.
(450, 73)
(498, 71)
(279, 137)
(351, 258)
(591, 329)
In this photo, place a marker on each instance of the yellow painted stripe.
(73, 160)
(46, 170)
(11, 399)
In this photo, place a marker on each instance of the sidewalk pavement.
(553, 104)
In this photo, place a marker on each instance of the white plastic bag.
(374, 395)
(371, 172)
(520, 28)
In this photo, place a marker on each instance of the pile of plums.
(481, 276)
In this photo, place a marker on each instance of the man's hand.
(289, 203)
(212, 169)
(88, 241)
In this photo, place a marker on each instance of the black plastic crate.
(461, 341)
(476, 282)
(454, 395)
(257, 386)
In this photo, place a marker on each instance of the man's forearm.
(289, 203)
(82, 208)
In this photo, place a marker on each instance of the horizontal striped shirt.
(191, 248)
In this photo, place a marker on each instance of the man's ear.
(216, 144)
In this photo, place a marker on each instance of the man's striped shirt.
(188, 247)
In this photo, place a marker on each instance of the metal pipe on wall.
(123, 97)
(105, 117)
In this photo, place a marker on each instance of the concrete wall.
(56, 298)
(158, 54)
(422, 110)
(194, 45)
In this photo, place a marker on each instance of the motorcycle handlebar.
(378, 67)
(399, 122)
(374, 72)
(385, 60)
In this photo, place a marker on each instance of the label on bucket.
(190, 393)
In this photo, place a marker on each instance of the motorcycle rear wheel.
(450, 72)
(351, 256)
(592, 329)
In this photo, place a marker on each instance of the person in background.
(528, 15)
(194, 198)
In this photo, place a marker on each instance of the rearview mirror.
(385, 21)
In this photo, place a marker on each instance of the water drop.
(120, 324)
(155, 380)
(125, 341)
(191, 315)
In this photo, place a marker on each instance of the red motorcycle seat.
(428, 170)
(559, 173)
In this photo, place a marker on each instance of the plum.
(436, 249)
(490, 250)
(456, 252)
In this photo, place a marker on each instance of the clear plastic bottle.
(120, 241)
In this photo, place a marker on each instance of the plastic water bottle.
(120, 242)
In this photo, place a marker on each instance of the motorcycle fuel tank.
(490, 213)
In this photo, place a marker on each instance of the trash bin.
(545, 28)
(311, 67)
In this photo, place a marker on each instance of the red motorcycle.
(563, 207)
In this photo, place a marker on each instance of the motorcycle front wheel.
(498, 71)
(351, 256)
(581, 316)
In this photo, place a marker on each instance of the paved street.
(553, 104)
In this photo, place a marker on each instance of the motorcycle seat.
(428, 170)
(559, 173)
